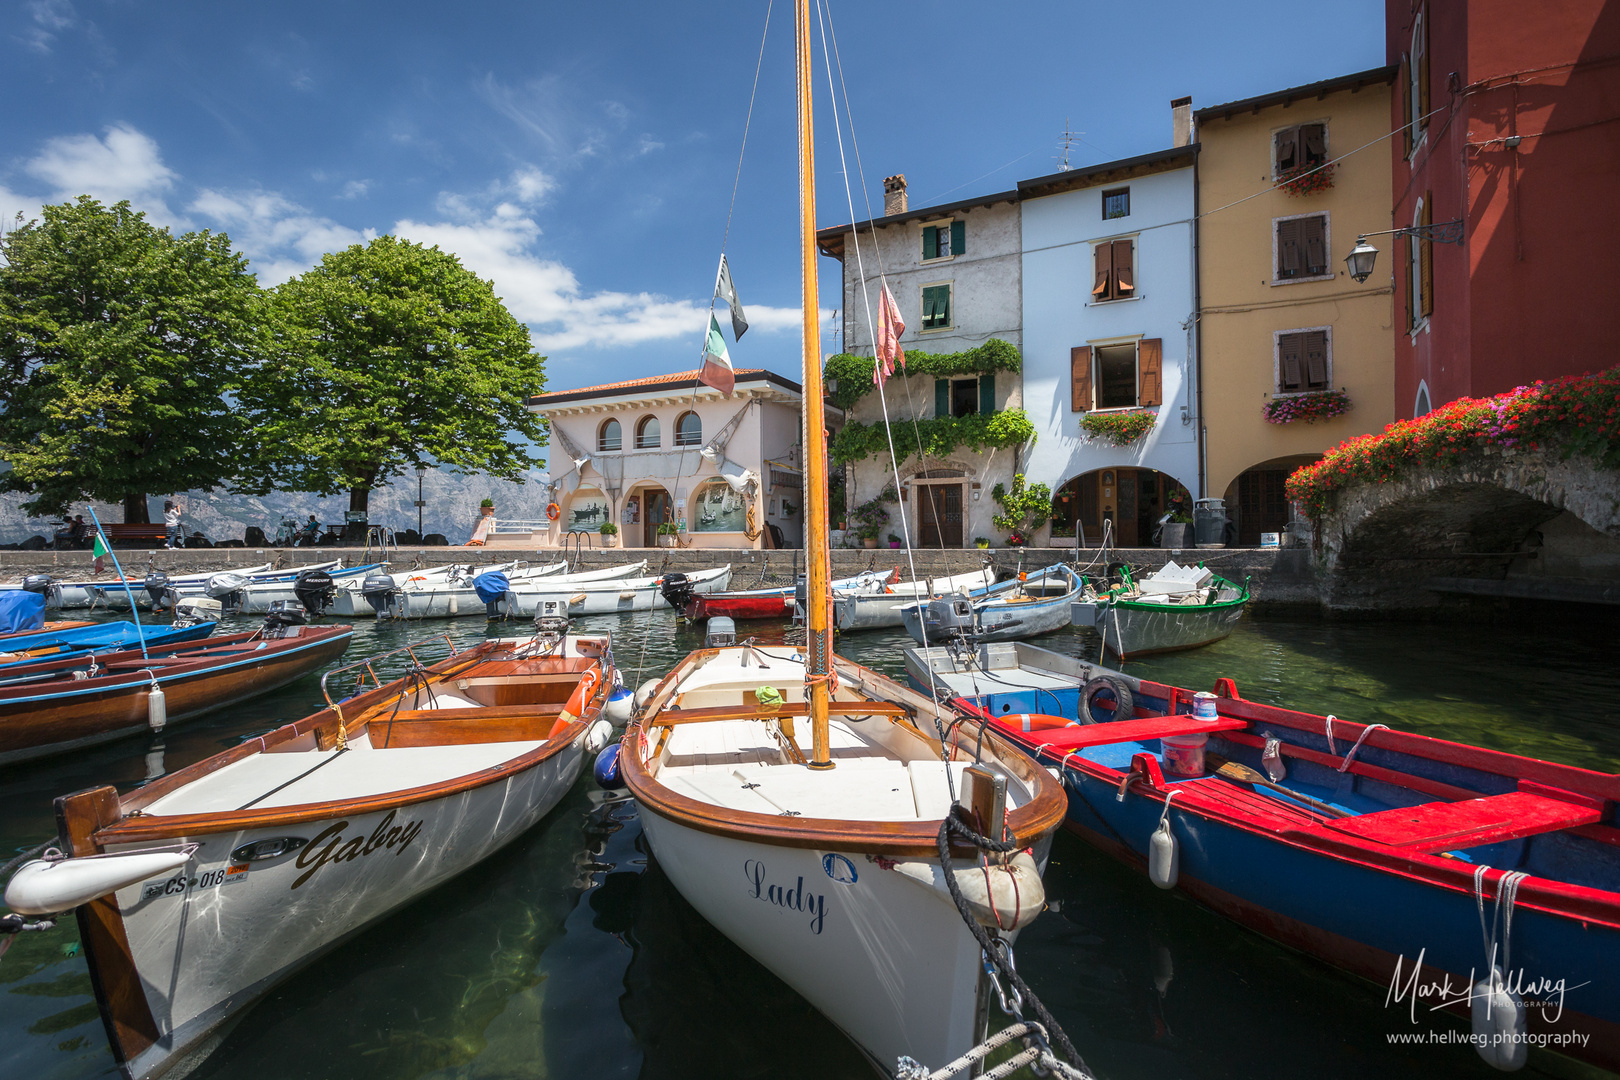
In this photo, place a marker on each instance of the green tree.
(119, 343)
(385, 356)
(1025, 508)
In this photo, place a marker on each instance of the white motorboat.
(1011, 611)
(868, 610)
(199, 892)
(570, 598)
(355, 597)
(256, 597)
(112, 594)
(460, 596)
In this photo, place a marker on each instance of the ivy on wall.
(854, 373)
(935, 437)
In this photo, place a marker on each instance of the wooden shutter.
(1080, 378)
(1426, 257)
(1406, 104)
(987, 393)
(1288, 253)
(1103, 259)
(1423, 77)
(1316, 373)
(931, 241)
(958, 238)
(1313, 142)
(1287, 154)
(1411, 283)
(1290, 362)
(942, 397)
(1313, 244)
(1149, 361)
(1124, 269)
(942, 305)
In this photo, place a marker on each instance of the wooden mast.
(818, 614)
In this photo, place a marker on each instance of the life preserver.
(553, 511)
(1036, 721)
(582, 694)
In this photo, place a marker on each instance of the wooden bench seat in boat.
(268, 780)
(442, 727)
(1450, 826)
(881, 790)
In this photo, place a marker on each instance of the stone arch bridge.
(1496, 522)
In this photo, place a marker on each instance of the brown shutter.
(1149, 360)
(1423, 77)
(1287, 152)
(1426, 257)
(1406, 105)
(1288, 248)
(1406, 243)
(1313, 239)
(1124, 270)
(1105, 266)
(1080, 378)
(1314, 139)
(1316, 360)
(1289, 347)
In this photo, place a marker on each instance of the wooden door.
(1262, 505)
(658, 510)
(1125, 520)
(941, 525)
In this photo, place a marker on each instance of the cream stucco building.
(1280, 320)
(670, 450)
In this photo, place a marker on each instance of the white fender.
(597, 736)
(645, 691)
(1498, 1023)
(45, 888)
(1164, 861)
(1014, 890)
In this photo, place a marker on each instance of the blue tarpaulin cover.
(491, 586)
(21, 610)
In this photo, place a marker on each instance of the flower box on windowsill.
(1310, 407)
(1307, 179)
(1118, 426)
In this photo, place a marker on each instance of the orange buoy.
(1037, 721)
(582, 694)
(553, 511)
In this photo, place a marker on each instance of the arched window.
(609, 436)
(1421, 406)
(1417, 90)
(647, 437)
(689, 430)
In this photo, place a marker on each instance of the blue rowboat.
(1009, 611)
(1372, 849)
(98, 637)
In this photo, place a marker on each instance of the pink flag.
(887, 342)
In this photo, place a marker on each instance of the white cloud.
(50, 18)
(272, 230)
(126, 164)
(355, 189)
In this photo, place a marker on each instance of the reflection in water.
(505, 972)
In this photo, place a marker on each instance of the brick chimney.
(1181, 121)
(894, 194)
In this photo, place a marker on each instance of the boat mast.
(818, 638)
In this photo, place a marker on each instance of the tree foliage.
(854, 373)
(385, 356)
(935, 437)
(1024, 508)
(119, 343)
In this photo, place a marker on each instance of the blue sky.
(582, 155)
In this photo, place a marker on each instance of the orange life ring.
(582, 694)
(553, 511)
(1036, 721)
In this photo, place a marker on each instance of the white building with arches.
(671, 451)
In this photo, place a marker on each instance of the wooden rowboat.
(1371, 849)
(54, 705)
(281, 848)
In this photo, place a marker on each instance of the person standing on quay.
(171, 525)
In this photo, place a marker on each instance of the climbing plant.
(935, 437)
(1025, 508)
(854, 373)
(1579, 413)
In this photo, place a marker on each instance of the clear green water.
(569, 954)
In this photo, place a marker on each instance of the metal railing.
(502, 526)
(370, 670)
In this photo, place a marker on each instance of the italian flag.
(101, 551)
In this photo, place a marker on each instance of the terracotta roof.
(680, 380)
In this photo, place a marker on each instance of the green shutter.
(931, 242)
(942, 397)
(942, 306)
(987, 394)
(958, 238)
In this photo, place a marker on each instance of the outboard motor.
(381, 593)
(801, 594)
(678, 591)
(227, 589)
(492, 587)
(37, 583)
(947, 617)
(157, 587)
(283, 615)
(191, 610)
(314, 589)
(721, 633)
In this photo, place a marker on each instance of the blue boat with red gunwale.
(1372, 849)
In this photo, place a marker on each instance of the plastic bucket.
(1183, 754)
(1204, 705)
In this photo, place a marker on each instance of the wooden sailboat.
(822, 862)
(198, 893)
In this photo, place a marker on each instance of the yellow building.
(1282, 326)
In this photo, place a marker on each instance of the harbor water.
(569, 954)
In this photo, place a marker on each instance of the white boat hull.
(886, 959)
(234, 933)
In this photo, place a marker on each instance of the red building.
(1508, 120)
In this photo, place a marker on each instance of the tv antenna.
(1070, 137)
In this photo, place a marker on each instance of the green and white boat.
(1174, 608)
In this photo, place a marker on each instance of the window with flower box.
(1297, 148)
(1303, 361)
(1121, 376)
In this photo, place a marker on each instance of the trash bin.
(1209, 522)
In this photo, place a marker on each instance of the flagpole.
(134, 611)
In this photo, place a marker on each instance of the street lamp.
(421, 471)
(1363, 255)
